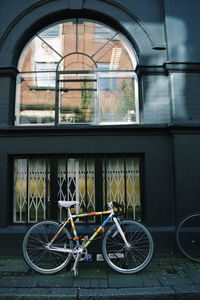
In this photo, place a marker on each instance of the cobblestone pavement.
(165, 278)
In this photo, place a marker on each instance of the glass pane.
(121, 183)
(102, 33)
(77, 97)
(76, 182)
(51, 31)
(92, 38)
(116, 56)
(45, 79)
(105, 45)
(31, 189)
(35, 101)
(20, 190)
(38, 181)
(77, 62)
(117, 98)
(61, 37)
(45, 50)
(133, 201)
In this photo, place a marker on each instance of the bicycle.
(127, 246)
(188, 236)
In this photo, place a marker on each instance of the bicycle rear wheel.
(38, 256)
(188, 237)
(123, 259)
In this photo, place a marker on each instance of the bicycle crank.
(82, 251)
(79, 254)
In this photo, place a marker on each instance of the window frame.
(104, 176)
(98, 71)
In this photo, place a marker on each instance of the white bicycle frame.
(76, 238)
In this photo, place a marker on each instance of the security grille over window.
(122, 184)
(76, 182)
(77, 72)
(31, 189)
(92, 181)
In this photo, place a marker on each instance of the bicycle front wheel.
(36, 253)
(132, 259)
(188, 237)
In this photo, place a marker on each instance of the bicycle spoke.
(35, 250)
(132, 258)
(188, 237)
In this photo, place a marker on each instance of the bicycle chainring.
(83, 252)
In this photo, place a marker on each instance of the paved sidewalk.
(166, 278)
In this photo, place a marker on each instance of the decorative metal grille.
(122, 184)
(20, 190)
(76, 183)
(77, 180)
(31, 193)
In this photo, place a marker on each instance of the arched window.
(77, 71)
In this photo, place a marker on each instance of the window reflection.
(35, 104)
(71, 72)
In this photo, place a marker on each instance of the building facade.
(99, 101)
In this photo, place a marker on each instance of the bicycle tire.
(188, 237)
(35, 253)
(128, 260)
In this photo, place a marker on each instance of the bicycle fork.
(121, 232)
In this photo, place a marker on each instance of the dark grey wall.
(185, 96)
(154, 146)
(182, 27)
(154, 99)
(187, 165)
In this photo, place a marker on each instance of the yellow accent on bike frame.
(93, 236)
(61, 228)
(101, 227)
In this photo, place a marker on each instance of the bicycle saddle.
(67, 203)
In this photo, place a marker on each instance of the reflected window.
(102, 32)
(51, 31)
(77, 71)
(45, 79)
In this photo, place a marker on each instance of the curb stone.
(188, 292)
(38, 294)
(86, 294)
(154, 293)
(127, 294)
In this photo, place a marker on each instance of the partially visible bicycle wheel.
(188, 237)
(35, 252)
(123, 259)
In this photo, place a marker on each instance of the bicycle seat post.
(69, 212)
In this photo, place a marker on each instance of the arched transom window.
(77, 71)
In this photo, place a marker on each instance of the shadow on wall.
(184, 77)
(183, 67)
